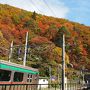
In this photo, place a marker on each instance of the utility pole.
(11, 48)
(50, 73)
(58, 72)
(25, 53)
(83, 69)
(63, 63)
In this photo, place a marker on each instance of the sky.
(73, 10)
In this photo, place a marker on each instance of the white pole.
(83, 68)
(25, 53)
(11, 48)
(63, 63)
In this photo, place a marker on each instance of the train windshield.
(5, 75)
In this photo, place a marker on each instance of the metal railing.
(69, 86)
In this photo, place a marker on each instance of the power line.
(49, 7)
(28, 4)
(33, 3)
(36, 6)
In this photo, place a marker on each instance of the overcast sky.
(73, 10)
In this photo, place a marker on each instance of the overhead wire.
(36, 6)
(28, 4)
(49, 7)
(45, 2)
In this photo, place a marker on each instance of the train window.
(18, 77)
(5, 75)
(29, 79)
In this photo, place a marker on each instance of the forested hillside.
(45, 39)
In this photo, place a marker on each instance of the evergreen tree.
(34, 15)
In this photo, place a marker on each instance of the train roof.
(17, 67)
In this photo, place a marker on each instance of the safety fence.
(69, 86)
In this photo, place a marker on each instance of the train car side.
(17, 74)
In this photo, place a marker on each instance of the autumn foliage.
(47, 32)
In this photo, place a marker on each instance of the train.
(12, 73)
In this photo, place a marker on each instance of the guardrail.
(69, 86)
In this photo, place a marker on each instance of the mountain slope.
(45, 38)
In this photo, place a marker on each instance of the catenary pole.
(63, 63)
(11, 49)
(50, 74)
(25, 53)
